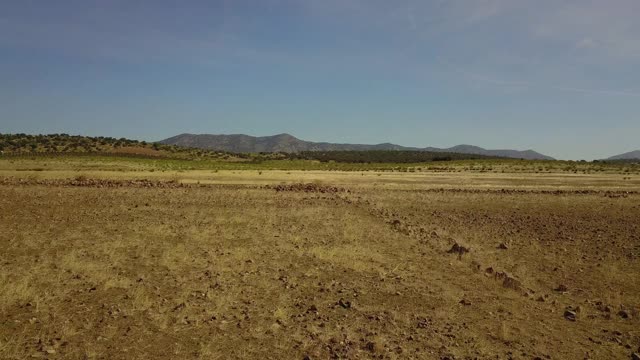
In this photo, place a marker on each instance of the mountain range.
(631, 155)
(240, 143)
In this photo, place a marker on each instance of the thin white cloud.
(532, 85)
(596, 91)
(612, 25)
(586, 43)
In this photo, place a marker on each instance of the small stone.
(465, 302)
(624, 314)
(562, 288)
(503, 246)
(541, 299)
(635, 356)
(344, 304)
(374, 347)
(570, 315)
(371, 346)
(608, 308)
(458, 249)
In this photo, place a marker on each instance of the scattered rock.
(458, 249)
(423, 323)
(309, 187)
(624, 314)
(508, 281)
(82, 181)
(603, 307)
(561, 288)
(344, 304)
(374, 347)
(570, 315)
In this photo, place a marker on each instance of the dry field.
(235, 265)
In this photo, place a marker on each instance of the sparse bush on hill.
(17, 144)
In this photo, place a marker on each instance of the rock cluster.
(82, 181)
(308, 187)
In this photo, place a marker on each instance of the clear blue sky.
(560, 77)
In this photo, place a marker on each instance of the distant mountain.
(517, 154)
(240, 143)
(627, 156)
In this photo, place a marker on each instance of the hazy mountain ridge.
(631, 155)
(241, 143)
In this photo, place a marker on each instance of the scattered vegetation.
(63, 151)
(383, 156)
(65, 144)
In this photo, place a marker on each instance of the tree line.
(383, 156)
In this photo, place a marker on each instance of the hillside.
(240, 143)
(59, 144)
(470, 149)
(627, 156)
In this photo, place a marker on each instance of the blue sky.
(560, 77)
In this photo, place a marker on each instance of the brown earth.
(131, 269)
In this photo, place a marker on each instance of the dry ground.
(231, 269)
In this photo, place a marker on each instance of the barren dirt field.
(317, 265)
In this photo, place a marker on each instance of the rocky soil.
(133, 269)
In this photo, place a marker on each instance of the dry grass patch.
(246, 272)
